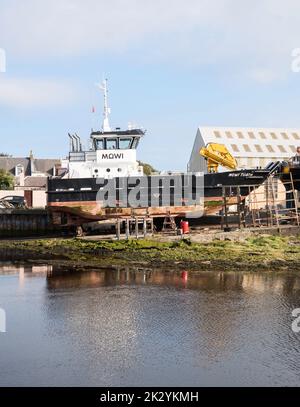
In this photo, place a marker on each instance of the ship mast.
(106, 111)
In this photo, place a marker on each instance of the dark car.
(16, 201)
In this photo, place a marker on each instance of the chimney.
(31, 163)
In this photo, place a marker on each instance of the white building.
(252, 147)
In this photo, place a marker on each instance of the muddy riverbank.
(262, 252)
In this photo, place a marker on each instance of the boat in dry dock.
(107, 182)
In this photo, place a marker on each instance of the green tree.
(148, 169)
(6, 180)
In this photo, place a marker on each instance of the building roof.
(10, 163)
(40, 165)
(258, 145)
(35, 182)
(256, 142)
(45, 165)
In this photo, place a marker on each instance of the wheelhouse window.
(135, 142)
(111, 144)
(125, 143)
(100, 144)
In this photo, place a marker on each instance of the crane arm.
(218, 154)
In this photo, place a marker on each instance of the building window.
(228, 134)
(235, 148)
(258, 148)
(19, 170)
(293, 149)
(251, 135)
(262, 135)
(270, 148)
(217, 134)
(282, 149)
(274, 136)
(296, 136)
(285, 136)
(247, 148)
(240, 134)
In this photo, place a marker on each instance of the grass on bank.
(253, 252)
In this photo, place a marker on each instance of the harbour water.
(159, 328)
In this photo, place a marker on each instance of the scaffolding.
(266, 206)
(137, 227)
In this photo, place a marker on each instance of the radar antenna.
(106, 112)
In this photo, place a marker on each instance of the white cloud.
(252, 35)
(29, 93)
(52, 27)
(264, 76)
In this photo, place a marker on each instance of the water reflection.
(22, 270)
(59, 277)
(8, 268)
(124, 326)
(72, 277)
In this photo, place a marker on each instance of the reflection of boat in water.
(110, 166)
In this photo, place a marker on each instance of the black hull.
(86, 189)
(244, 180)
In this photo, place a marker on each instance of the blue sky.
(171, 65)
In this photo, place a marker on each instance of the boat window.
(135, 142)
(100, 144)
(125, 143)
(111, 144)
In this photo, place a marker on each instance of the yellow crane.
(216, 155)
